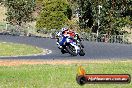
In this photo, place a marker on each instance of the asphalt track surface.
(93, 50)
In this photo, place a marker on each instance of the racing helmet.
(64, 29)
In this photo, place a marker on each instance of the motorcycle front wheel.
(71, 50)
(82, 53)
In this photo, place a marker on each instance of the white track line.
(43, 53)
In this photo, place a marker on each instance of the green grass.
(59, 76)
(11, 49)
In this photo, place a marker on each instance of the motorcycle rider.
(66, 32)
(63, 34)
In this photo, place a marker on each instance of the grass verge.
(60, 76)
(11, 49)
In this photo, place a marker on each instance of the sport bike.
(73, 47)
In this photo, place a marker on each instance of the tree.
(85, 11)
(19, 11)
(115, 14)
(74, 5)
(54, 15)
(39, 4)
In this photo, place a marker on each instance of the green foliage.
(39, 5)
(54, 14)
(19, 11)
(86, 13)
(73, 4)
(114, 14)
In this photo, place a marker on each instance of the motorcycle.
(73, 47)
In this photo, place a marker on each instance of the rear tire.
(70, 50)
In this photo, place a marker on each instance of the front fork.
(76, 47)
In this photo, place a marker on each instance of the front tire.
(71, 50)
(82, 53)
